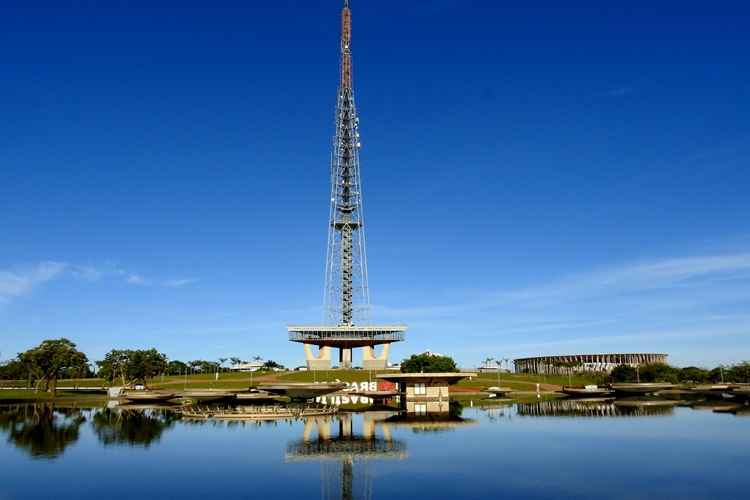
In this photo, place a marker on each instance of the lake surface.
(531, 451)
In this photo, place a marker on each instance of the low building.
(422, 393)
(247, 367)
(577, 363)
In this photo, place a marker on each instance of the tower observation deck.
(347, 296)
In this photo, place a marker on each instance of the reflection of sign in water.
(341, 398)
(361, 386)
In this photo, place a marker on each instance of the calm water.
(547, 450)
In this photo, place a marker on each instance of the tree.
(656, 372)
(132, 366)
(147, 364)
(739, 372)
(693, 374)
(623, 373)
(176, 368)
(428, 363)
(659, 372)
(13, 370)
(114, 367)
(47, 362)
(271, 365)
(717, 374)
(235, 361)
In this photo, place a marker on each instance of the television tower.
(347, 296)
(346, 292)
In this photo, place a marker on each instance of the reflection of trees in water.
(41, 430)
(455, 409)
(133, 427)
(580, 408)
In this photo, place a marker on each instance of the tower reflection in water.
(334, 442)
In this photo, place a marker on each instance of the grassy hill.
(242, 381)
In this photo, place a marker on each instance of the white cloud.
(17, 282)
(136, 279)
(638, 306)
(20, 282)
(179, 283)
(688, 272)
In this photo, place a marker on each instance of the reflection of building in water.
(430, 423)
(319, 442)
(423, 393)
(594, 408)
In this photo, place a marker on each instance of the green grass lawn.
(522, 381)
(330, 376)
(23, 396)
(242, 381)
(79, 382)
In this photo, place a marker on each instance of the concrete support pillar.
(368, 428)
(321, 361)
(386, 428)
(345, 358)
(370, 361)
(324, 428)
(307, 431)
(345, 425)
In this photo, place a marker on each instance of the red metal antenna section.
(346, 42)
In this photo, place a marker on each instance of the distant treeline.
(691, 374)
(43, 365)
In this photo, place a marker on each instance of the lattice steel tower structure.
(347, 296)
(346, 291)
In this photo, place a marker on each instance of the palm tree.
(255, 358)
(488, 361)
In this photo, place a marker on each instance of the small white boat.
(148, 396)
(498, 392)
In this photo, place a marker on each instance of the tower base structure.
(346, 338)
(370, 361)
(319, 361)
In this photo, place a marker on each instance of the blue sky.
(537, 179)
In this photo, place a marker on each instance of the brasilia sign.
(341, 398)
